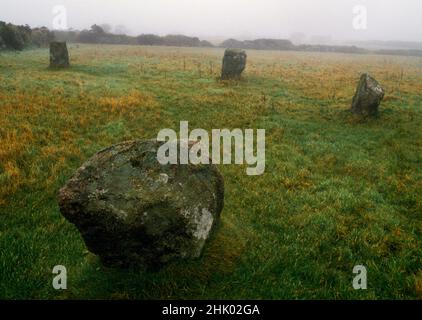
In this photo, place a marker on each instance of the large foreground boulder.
(234, 63)
(59, 56)
(132, 211)
(368, 96)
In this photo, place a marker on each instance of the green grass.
(338, 191)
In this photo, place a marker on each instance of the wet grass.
(338, 190)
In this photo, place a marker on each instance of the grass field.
(338, 191)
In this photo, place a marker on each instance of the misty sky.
(387, 19)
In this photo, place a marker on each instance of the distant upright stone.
(59, 56)
(368, 96)
(133, 211)
(234, 63)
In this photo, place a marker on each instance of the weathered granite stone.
(132, 211)
(234, 63)
(368, 96)
(59, 56)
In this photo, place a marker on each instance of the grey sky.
(387, 19)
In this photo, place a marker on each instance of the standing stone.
(59, 56)
(133, 211)
(234, 63)
(368, 96)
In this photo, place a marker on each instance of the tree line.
(20, 37)
(98, 35)
(15, 37)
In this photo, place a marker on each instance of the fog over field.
(232, 150)
(320, 21)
